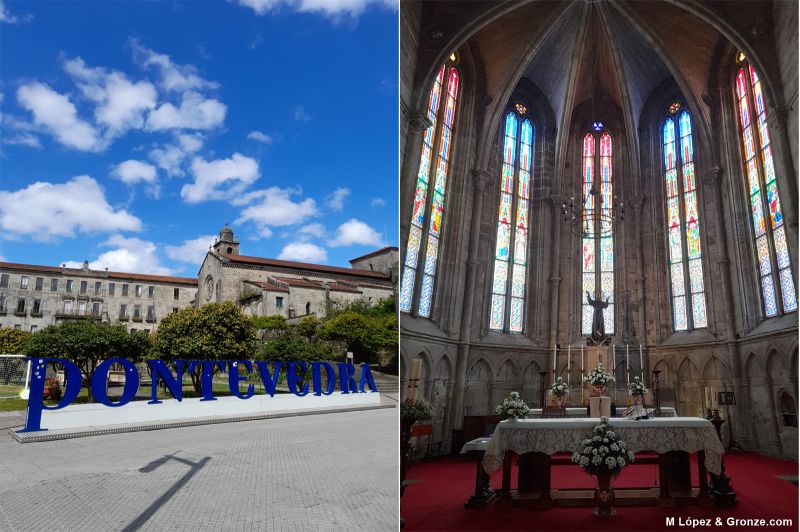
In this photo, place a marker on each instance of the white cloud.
(24, 139)
(45, 211)
(317, 230)
(377, 202)
(6, 16)
(303, 252)
(330, 8)
(235, 174)
(300, 114)
(355, 232)
(121, 104)
(191, 251)
(195, 112)
(274, 207)
(128, 255)
(258, 136)
(171, 156)
(57, 114)
(335, 200)
(132, 172)
(173, 77)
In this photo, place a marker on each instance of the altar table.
(534, 440)
(666, 411)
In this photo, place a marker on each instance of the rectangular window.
(174, 310)
(23, 282)
(67, 306)
(2, 303)
(151, 291)
(84, 286)
(176, 293)
(111, 287)
(33, 328)
(37, 306)
(69, 285)
(81, 307)
(4, 280)
(39, 283)
(125, 289)
(279, 302)
(98, 287)
(53, 285)
(17, 327)
(21, 305)
(123, 311)
(138, 290)
(137, 311)
(151, 312)
(95, 308)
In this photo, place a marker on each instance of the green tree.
(87, 343)
(216, 331)
(12, 340)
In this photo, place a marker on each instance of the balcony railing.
(75, 313)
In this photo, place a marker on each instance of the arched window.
(788, 410)
(772, 253)
(426, 219)
(598, 239)
(683, 226)
(511, 247)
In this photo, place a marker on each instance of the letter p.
(72, 386)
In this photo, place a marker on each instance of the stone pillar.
(555, 270)
(713, 178)
(417, 124)
(638, 205)
(480, 180)
(493, 401)
(777, 446)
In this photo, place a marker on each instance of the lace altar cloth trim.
(559, 435)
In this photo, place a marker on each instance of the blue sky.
(132, 131)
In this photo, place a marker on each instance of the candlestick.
(628, 363)
(569, 357)
(641, 363)
(581, 360)
(554, 361)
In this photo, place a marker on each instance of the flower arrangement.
(559, 388)
(413, 410)
(512, 407)
(603, 452)
(638, 388)
(599, 376)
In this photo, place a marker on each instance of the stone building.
(32, 296)
(266, 287)
(551, 149)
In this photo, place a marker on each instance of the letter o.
(100, 378)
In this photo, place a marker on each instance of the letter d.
(72, 386)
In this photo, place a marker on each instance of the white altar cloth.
(581, 411)
(660, 435)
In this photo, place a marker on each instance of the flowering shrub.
(599, 376)
(559, 388)
(512, 407)
(603, 452)
(413, 410)
(638, 387)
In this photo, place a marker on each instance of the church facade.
(35, 296)
(640, 154)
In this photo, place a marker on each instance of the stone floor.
(329, 471)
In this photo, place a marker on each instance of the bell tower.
(227, 243)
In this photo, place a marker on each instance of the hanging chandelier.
(593, 222)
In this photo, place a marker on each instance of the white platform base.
(96, 415)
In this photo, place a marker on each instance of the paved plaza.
(329, 471)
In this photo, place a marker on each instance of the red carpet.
(435, 501)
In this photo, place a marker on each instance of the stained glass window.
(772, 254)
(597, 245)
(683, 224)
(429, 202)
(507, 301)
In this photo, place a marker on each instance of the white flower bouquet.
(599, 376)
(512, 407)
(603, 452)
(559, 388)
(638, 388)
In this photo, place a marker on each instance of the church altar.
(535, 440)
(666, 411)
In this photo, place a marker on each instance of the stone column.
(480, 180)
(417, 124)
(713, 178)
(773, 413)
(555, 271)
(638, 206)
(493, 401)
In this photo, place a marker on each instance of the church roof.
(259, 261)
(98, 273)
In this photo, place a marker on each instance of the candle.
(628, 363)
(641, 363)
(569, 357)
(581, 360)
(554, 361)
(413, 380)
